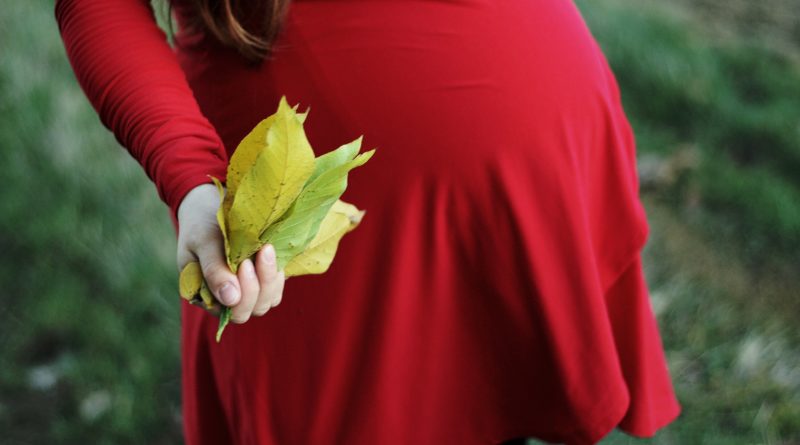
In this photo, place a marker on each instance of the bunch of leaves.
(278, 193)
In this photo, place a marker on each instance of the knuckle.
(279, 287)
(183, 255)
(188, 235)
(250, 288)
(211, 270)
(267, 279)
(246, 304)
(182, 261)
(278, 290)
(261, 310)
(266, 296)
(240, 318)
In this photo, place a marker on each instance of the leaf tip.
(355, 218)
(366, 156)
(224, 318)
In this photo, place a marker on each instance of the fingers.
(250, 290)
(261, 286)
(270, 281)
(223, 283)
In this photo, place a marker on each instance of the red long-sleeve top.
(495, 288)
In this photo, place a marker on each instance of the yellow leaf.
(302, 116)
(271, 185)
(194, 288)
(317, 257)
(191, 280)
(245, 156)
(248, 150)
(222, 225)
(277, 192)
(208, 298)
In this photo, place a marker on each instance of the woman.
(494, 289)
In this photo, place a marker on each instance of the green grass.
(729, 336)
(89, 331)
(733, 100)
(725, 235)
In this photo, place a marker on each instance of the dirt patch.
(775, 23)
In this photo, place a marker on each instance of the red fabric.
(494, 288)
(123, 63)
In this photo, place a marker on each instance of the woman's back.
(494, 288)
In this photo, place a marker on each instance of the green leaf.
(318, 255)
(291, 235)
(335, 158)
(224, 319)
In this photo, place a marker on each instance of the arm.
(132, 78)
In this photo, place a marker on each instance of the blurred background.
(89, 329)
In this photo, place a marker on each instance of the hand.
(255, 288)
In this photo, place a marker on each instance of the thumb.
(223, 283)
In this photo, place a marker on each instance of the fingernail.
(248, 267)
(270, 253)
(228, 294)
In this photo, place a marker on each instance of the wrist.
(202, 195)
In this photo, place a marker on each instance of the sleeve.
(131, 76)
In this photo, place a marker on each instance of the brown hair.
(249, 26)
